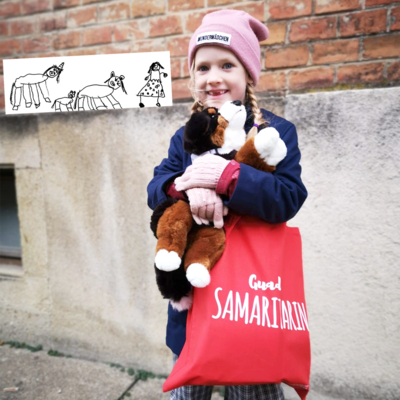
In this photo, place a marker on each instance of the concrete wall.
(88, 287)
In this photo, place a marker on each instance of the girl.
(154, 86)
(224, 61)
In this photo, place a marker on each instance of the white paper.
(85, 83)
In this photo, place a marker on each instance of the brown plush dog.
(182, 245)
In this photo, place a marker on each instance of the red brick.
(65, 3)
(393, 71)
(82, 16)
(271, 81)
(81, 52)
(98, 35)
(9, 9)
(119, 48)
(212, 3)
(193, 20)
(23, 26)
(180, 89)
(49, 54)
(395, 19)
(1, 66)
(36, 44)
(66, 40)
(339, 50)
(293, 56)
(382, 46)
(3, 28)
(1, 84)
(370, 3)
(2, 102)
(316, 28)
(365, 22)
(114, 11)
(129, 31)
(185, 67)
(90, 1)
(149, 45)
(330, 6)
(277, 34)
(358, 73)
(255, 9)
(53, 21)
(282, 9)
(175, 68)
(144, 8)
(311, 78)
(181, 5)
(178, 46)
(34, 6)
(9, 47)
(161, 26)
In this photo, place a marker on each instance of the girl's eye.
(228, 65)
(203, 68)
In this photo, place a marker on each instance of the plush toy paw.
(198, 275)
(185, 303)
(270, 146)
(167, 260)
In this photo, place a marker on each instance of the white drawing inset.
(30, 84)
(153, 87)
(95, 94)
(65, 101)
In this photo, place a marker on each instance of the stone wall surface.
(350, 143)
(88, 287)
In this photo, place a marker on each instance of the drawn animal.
(30, 84)
(153, 87)
(95, 95)
(184, 248)
(65, 101)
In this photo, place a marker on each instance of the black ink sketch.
(65, 101)
(153, 87)
(30, 84)
(95, 94)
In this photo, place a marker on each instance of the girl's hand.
(205, 172)
(206, 206)
(165, 75)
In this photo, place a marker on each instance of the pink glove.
(203, 173)
(207, 206)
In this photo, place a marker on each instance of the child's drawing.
(95, 95)
(153, 87)
(65, 101)
(30, 84)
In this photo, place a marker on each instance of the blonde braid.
(258, 117)
(197, 106)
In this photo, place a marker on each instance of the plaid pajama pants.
(250, 392)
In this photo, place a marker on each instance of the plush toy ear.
(193, 135)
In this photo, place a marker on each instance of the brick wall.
(314, 44)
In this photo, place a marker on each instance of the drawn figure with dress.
(95, 97)
(153, 87)
(65, 101)
(30, 84)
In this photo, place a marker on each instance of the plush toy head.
(205, 130)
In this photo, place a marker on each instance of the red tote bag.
(249, 325)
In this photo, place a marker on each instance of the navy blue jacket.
(274, 197)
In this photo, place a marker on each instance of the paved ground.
(26, 375)
(38, 376)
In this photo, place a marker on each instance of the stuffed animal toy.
(185, 251)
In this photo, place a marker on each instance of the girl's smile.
(219, 76)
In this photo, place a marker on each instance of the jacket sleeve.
(168, 170)
(274, 197)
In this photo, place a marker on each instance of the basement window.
(10, 239)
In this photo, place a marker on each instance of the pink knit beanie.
(236, 31)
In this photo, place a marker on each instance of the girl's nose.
(214, 76)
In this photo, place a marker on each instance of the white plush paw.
(198, 275)
(167, 260)
(185, 303)
(270, 146)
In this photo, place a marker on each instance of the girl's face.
(219, 76)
